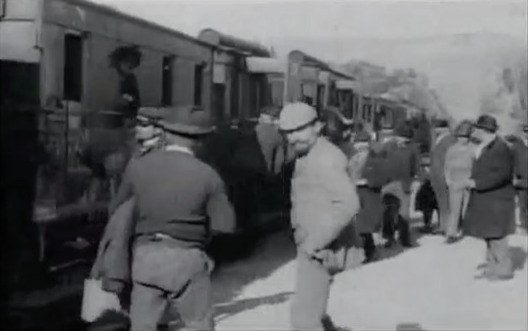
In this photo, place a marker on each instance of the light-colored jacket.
(324, 200)
(459, 161)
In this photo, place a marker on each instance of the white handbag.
(96, 300)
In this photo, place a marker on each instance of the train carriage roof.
(223, 40)
(265, 65)
(300, 56)
(108, 10)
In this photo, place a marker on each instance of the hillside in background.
(462, 69)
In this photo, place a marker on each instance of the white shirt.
(177, 148)
(440, 137)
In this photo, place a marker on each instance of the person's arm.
(125, 191)
(447, 167)
(219, 208)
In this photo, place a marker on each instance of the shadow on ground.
(518, 256)
(230, 279)
(385, 253)
(224, 311)
(409, 327)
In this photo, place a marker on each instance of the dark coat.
(403, 164)
(128, 85)
(375, 172)
(425, 197)
(491, 209)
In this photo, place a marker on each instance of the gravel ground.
(430, 287)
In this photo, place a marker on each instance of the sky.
(340, 31)
(266, 21)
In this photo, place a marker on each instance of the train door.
(219, 101)
(219, 92)
(321, 89)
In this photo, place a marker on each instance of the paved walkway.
(430, 287)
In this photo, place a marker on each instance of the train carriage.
(237, 93)
(58, 96)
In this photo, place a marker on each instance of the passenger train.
(58, 94)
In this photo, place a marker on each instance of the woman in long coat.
(369, 165)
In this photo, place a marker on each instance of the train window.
(166, 80)
(73, 67)
(198, 83)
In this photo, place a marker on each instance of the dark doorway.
(73, 67)
(219, 101)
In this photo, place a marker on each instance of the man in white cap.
(324, 203)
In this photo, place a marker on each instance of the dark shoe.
(438, 232)
(452, 240)
(390, 243)
(482, 275)
(482, 266)
(426, 229)
(408, 245)
(328, 325)
(499, 278)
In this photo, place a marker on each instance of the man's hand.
(470, 183)
(310, 250)
(127, 97)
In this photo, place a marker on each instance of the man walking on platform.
(324, 202)
(180, 201)
(491, 211)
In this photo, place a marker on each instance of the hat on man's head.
(464, 129)
(441, 123)
(130, 53)
(403, 130)
(487, 123)
(295, 116)
(150, 114)
(272, 111)
(362, 137)
(187, 120)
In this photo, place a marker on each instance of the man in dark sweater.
(180, 201)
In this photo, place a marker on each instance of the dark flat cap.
(187, 120)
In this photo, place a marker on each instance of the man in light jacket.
(324, 202)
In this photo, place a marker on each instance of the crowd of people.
(348, 192)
